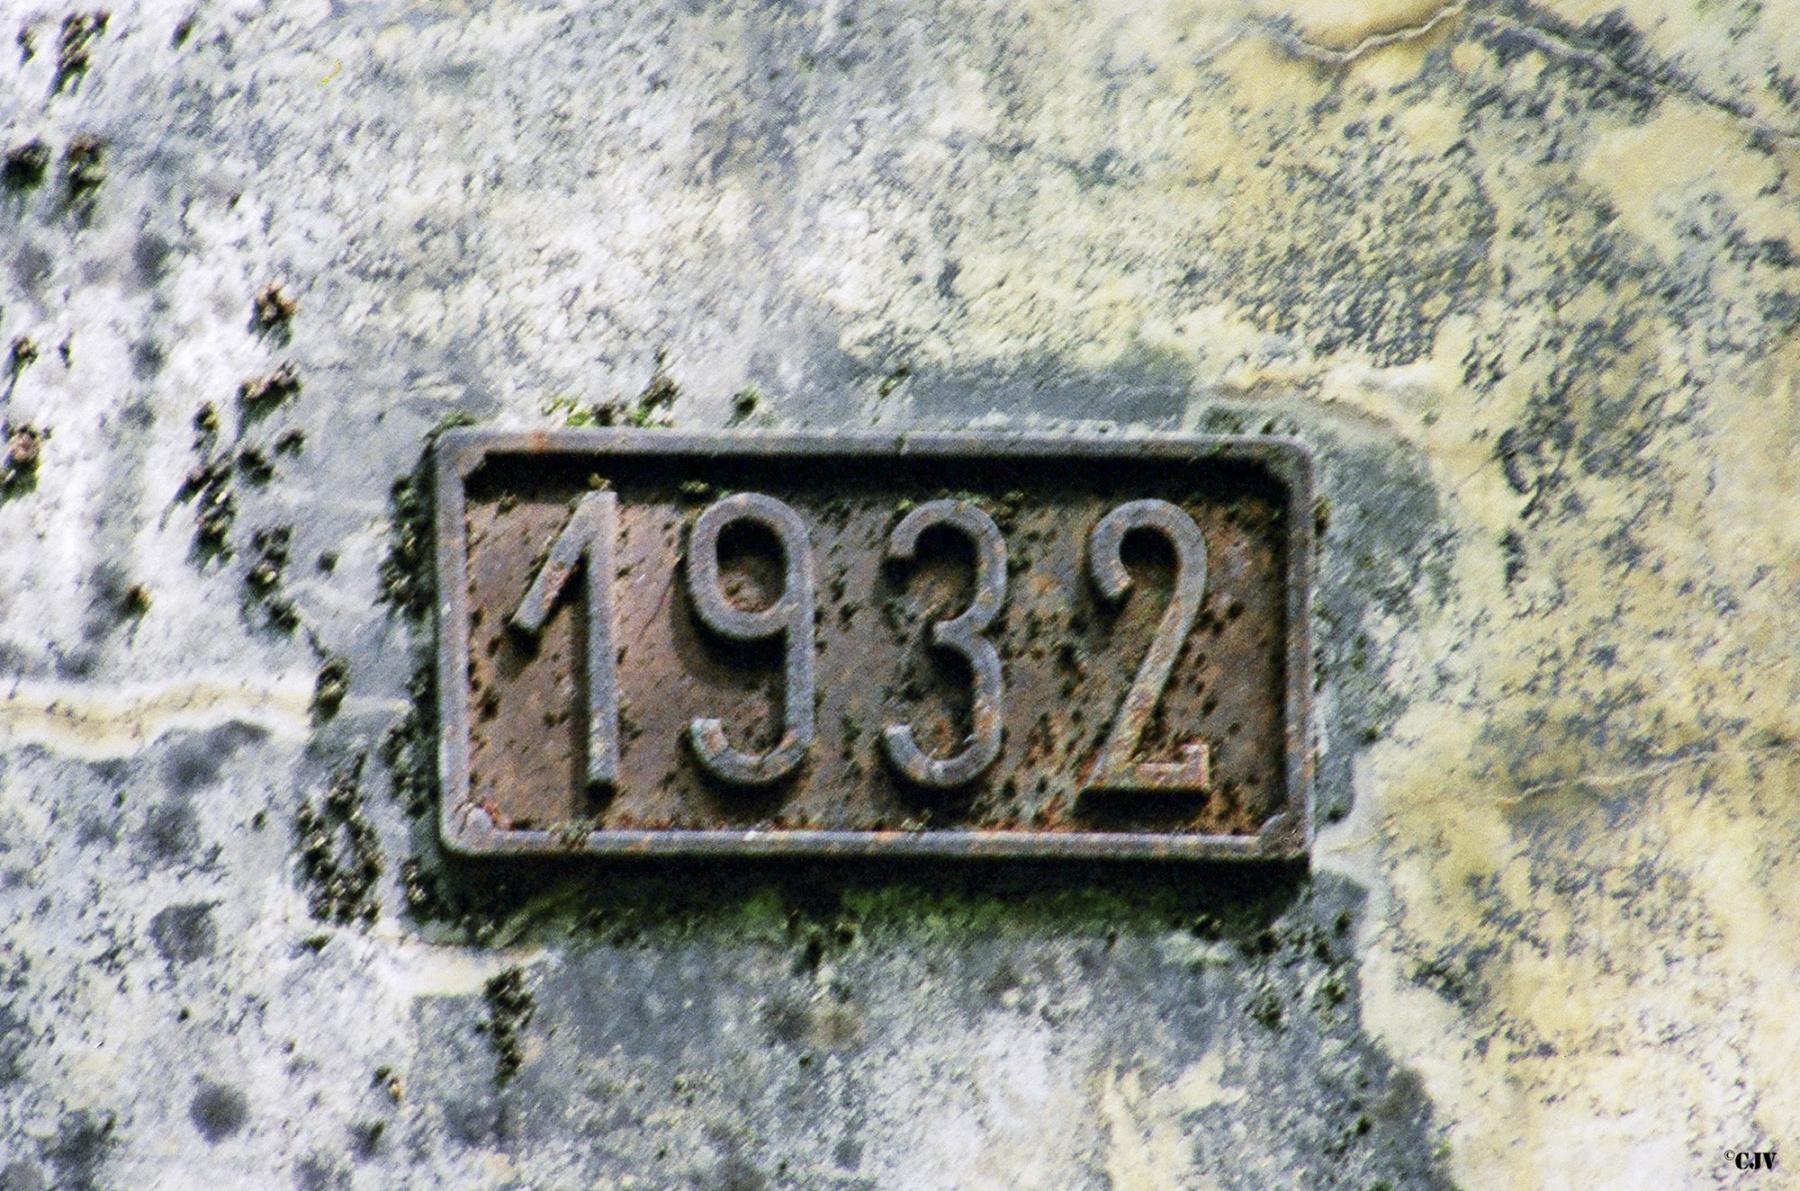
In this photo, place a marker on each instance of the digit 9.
(789, 617)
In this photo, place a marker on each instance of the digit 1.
(1114, 769)
(789, 617)
(962, 635)
(587, 538)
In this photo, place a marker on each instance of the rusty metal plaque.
(954, 645)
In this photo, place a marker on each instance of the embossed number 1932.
(587, 543)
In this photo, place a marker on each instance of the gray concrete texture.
(1524, 276)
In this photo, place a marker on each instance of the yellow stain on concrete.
(1152, 1131)
(94, 723)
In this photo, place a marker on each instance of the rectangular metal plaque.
(979, 645)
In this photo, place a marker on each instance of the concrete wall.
(1525, 277)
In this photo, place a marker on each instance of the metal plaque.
(977, 645)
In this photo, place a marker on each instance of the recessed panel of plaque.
(926, 644)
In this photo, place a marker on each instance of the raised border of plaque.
(469, 828)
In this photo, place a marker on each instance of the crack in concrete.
(1663, 81)
(1623, 777)
(1302, 47)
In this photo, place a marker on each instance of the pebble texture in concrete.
(1526, 277)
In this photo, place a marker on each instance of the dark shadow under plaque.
(1074, 574)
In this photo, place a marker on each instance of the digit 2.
(1114, 770)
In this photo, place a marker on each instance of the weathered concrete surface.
(1527, 279)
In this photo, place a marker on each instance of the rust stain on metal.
(938, 644)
